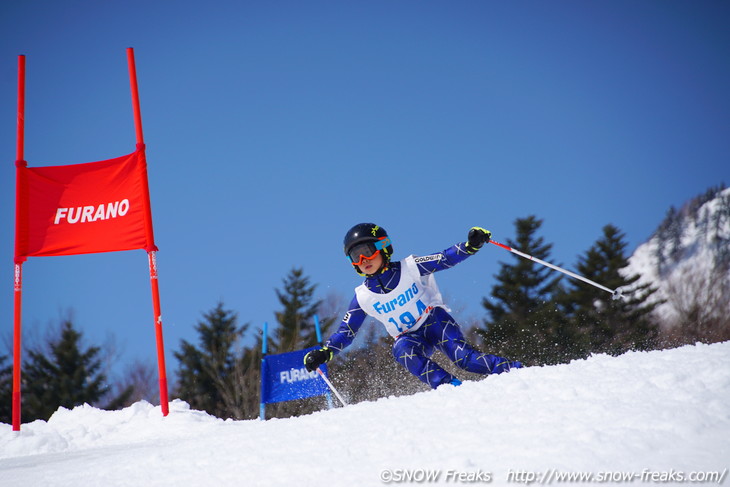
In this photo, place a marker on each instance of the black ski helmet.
(367, 232)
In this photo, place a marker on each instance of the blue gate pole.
(319, 340)
(262, 404)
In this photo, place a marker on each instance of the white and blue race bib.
(404, 308)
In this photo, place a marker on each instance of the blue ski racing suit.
(414, 314)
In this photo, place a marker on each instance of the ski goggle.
(367, 250)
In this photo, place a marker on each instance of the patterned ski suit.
(435, 329)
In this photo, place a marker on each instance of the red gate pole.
(17, 331)
(18, 287)
(151, 248)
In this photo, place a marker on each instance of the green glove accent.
(478, 236)
(315, 358)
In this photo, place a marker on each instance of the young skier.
(404, 297)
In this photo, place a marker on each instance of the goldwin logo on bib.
(426, 258)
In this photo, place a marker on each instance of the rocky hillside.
(688, 260)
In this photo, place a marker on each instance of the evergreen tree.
(64, 376)
(211, 376)
(296, 331)
(611, 325)
(525, 323)
(296, 319)
(6, 390)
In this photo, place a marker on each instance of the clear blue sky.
(272, 127)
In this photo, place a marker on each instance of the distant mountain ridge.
(688, 260)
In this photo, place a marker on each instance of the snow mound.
(657, 411)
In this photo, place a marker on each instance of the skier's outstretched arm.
(339, 340)
(455, 254)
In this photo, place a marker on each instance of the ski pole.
(329, 384)
(616, 293)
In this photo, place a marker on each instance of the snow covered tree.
(669, 235)
(213, 376)
(296, 319)
(700, 306)
(610, 325)
(525, 323)
(64, 375)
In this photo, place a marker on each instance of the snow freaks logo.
(427, 476)
(85, 214)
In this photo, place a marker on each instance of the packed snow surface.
(659, 416)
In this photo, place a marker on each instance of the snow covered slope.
(659, 413)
